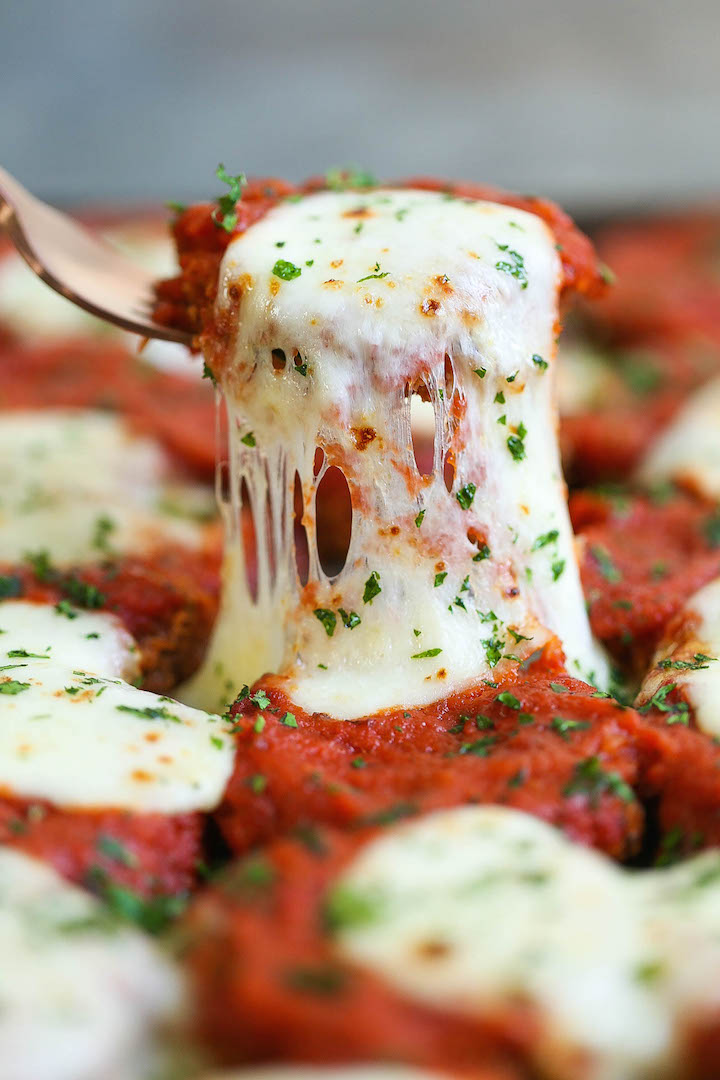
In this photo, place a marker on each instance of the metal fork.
(79, 265)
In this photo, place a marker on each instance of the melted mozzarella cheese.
(690, 658)
(81, 485)
(79, 997)
(93, 641)
(364, 299)
(688, 450)
(474, 908)
(75, 734)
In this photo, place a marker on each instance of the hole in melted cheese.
(455, 296)
(473, 908)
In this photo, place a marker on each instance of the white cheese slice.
(474, 908)
(687, 451)
(94, 641)
(80, 998)
(690, 658)
(86, 741)
(82, 486)
(368, 297)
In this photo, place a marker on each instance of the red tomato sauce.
(148, 854)
(82, 373)
(167, 603)
(267, 985)
(640, 561)
(541, 742)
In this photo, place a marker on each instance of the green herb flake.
(465, 495)
(350, 619)
(481, 372)
(605, 564)
(563, 727)
(439, 578)
(327, 618)
(225, 216)
(508, 699)
(544, 539)
(249, 439)
(63, 607)
(514, 265)
(286, 270)
(426, 655)
(419, 519)
(12, 687)
(590, 779)
(539, 363)
(372, 588)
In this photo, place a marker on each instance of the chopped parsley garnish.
(483, 553)
(116, 851)
(439, 578)
(327, 618)
(217, 742)
(257, 783)
(377, 274)
(372, 588)
(506, 698)
(563, 727)
(346, 907)
(82, 593)
(494, 648)
(605, 564)
(419, 519)
(426, 655)
(516, 267)
(358, 763)
(260, 699)
(286, 270)
(341, 179)
(544, 539)
(249, 439)
(23, 654)
(225, 217)
(64, 607)
(699, 662)
(559, 687)
(104, 527)
(350, 619)
(557, 568)
(288, 720)
(518, 637)
(12, 686)
(10, 586)
(515, 443)
(479, 748)
(589, 778)
(539, 362)
(208, 373)
(150, 712)
(259, 725)
(481, 372)
(300, 365)
(499, 398)
(465, 495)
(40, 564)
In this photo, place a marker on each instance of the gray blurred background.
(602, 105)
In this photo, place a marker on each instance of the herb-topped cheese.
(688, 660)
(343, 305)
(75, 733)
(96, 641)
(80, 996)
(476, 908)
(81, 485)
